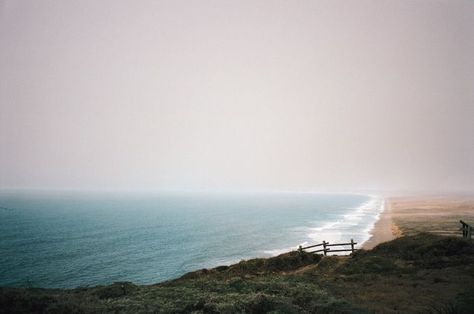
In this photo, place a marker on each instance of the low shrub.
(115, 290)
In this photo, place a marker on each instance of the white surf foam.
(355, 224)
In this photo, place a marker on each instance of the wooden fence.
(466, 230)
(325, 247)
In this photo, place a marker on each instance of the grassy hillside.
(417, 274)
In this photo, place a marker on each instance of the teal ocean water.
(71, 239)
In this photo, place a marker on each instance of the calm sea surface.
(71, 239)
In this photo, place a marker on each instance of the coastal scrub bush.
(428, 250)
(32, 300)
(237, 284)
(370, 264)
(259, 303)
(284, 262)
(115, 290)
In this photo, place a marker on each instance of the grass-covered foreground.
(416, 274)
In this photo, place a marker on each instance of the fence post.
(465, 229)
(352, 245)
(324, 247)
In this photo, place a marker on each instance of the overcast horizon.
(237, 95)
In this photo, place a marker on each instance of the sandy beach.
(384, 229)
(410, 215)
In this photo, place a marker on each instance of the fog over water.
(281, 95)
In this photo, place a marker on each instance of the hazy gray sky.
(313, 95)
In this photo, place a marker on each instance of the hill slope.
(421, 273)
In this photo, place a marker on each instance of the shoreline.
(384, 229)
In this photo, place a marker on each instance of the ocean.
(78, 239)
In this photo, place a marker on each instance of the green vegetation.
(416, 274)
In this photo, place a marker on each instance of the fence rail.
(467, 232)
(327, 247)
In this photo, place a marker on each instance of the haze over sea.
(71, 239)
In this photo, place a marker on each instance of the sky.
(279, 95)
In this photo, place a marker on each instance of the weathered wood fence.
(466, 230)
(325, 247)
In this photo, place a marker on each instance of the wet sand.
(384, 229)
